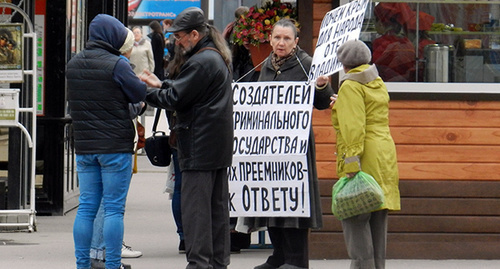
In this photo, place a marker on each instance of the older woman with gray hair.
(289, 235)
(360, 116)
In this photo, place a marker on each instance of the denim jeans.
(103, 177)
(176, 197)
(97, 247)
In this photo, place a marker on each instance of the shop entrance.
(61, 28)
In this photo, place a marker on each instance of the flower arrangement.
(255, 26)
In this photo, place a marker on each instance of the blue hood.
(108, 29)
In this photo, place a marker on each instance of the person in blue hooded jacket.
(101, 85)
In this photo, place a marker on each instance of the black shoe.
(99, 264)
(264, 266)
(182, 247)
(289, 266)
(240, 240)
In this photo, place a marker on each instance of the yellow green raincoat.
(360, 117)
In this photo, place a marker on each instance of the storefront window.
(435, 41)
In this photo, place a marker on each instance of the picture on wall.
(11, 52)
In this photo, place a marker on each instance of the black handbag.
(157, 146)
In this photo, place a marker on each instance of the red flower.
(255, 26)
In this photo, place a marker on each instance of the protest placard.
(269, 174)
(338, 26)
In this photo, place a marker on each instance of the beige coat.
(360, 117)
(142, 57)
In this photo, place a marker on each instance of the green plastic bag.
(357, 195)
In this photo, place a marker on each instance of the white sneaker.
(128, 252)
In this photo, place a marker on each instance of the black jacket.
(202, 97)
(158, 46)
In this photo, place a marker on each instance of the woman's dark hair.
(156, 27)
(174, 66)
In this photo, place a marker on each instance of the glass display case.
(435, 41)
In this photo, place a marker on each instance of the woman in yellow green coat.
(360, 116)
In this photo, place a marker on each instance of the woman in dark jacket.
(289, 235)
(158, 45)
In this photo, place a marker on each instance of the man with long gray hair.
(201, 96)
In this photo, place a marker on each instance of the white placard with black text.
(269, 175)
(338, 26)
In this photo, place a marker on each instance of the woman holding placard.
(289, 235)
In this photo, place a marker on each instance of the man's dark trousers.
(205, 218)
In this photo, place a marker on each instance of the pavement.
(150, 228)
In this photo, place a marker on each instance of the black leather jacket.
(202, 97)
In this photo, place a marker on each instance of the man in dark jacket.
(201, 95)
(100, 87)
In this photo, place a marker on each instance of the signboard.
(338, 26)
(39, 27)
(9, 107)
(158, 9)
(269, 174)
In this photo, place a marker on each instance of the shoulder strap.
(216, 50)
(209, 48)
(157, 118)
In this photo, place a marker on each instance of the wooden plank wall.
(320, 8)
(449, 164)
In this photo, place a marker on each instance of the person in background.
(158, 46)
(424, 25)
(201, 96)
(173, 70)
(242, 62)
(166, 23)
(393, 52)
(228, 31)
(289, 235)
(101, 85)
(169, 52)
(142, 53)
(360, 116)
(424, 39)
(97, 248)
(169, 39)
(242, 72)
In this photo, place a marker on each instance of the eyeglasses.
(179, 38)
